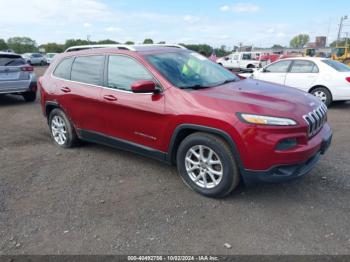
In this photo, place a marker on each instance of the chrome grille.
(316, 119)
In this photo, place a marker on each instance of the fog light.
(287, 144)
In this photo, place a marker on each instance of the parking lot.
(97, 200)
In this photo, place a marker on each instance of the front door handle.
(110, 98)
(65, 89)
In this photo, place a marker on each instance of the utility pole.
(341, 27)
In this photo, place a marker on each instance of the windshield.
(190, 70)
(339, 51)
(340, 67)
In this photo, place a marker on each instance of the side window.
(63, 69)
(300, 66)
(124, 71)
(88, 69)
(247, 57)
(279, 67)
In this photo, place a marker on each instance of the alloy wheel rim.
(321, 95)
(59, 130)
(204, 166)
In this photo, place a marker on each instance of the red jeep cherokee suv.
(172, 104)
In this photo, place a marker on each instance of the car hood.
(253, 96)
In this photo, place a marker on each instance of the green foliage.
(277, 46)
(129, 43)
(220, 52)
(148, 41)
(340, 43)
(3, 45)
(22, 45)
(74, 42)
(106, 42)
(204, 49)
(299, 41)
(53, 48)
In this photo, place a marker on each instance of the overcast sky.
(261, 23)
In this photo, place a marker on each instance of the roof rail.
(122, 47)
(84, 47)
(161, 45)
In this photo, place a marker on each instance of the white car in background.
(34, 58)
(240, 61)
(49, 57)
(326, 79)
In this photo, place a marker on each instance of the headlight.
(266, 120)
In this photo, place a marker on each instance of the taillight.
(27, 68)
(347, 79)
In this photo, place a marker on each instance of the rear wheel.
(62, 130)
(323, 94)
(250, 66)
(29, 96)
(207, 165)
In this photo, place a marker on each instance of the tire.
(250, 66)
(220, 64)
(29, 96)
(205, 185)
(323, 94)
(42, 63)
(56, 118)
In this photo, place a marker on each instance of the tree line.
(22, 45)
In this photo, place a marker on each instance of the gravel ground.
(98, 200)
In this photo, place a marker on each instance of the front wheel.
(323, 94)
(207, 165)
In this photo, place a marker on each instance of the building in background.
(321, 41)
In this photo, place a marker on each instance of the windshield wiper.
(195, 87)
(228, 81)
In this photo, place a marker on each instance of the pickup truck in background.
(240, 61)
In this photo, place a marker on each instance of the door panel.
(275, 73)
(78, 91)
(303, 74)
(138, 118)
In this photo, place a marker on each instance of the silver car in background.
(35, 58)
(17, 77)
(49, 57)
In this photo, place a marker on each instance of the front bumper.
(282, 173)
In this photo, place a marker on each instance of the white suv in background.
(240, 61)
(327, 79)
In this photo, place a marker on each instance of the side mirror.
(144, 86)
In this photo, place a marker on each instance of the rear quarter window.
(63, 69)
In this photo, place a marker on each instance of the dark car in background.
(17, 77)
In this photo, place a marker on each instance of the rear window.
(64, 68)
(11, 60)
(88, 69)
(340, 67)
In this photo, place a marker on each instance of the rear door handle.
(110, 98)
(65, 89)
